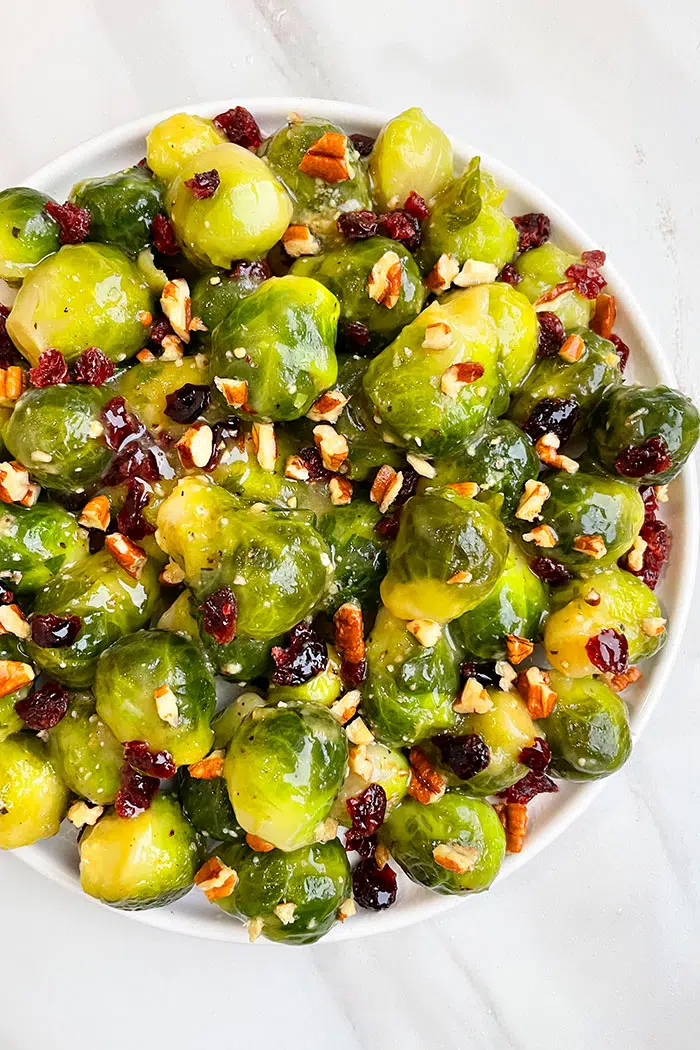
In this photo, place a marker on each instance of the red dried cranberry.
(365, 845)
(353, 335)
(44, 708)
(595, 258)
(368, 809)
(119, 423)
(537, 756)
(8, 354)
(400, 226)
(621, 349)
(550, 571)
(357, 225)
(188, 402)
(157, 764)
(203, 184)
(533, 229)
(589, 282)
(464, 755)
(650, 458)
(220, 615)
(608, 651)
(130, 519)
(374, 887)
(416, 207)
(93, 367)
(551, 334)
(136, 792)
(314, 464)
(240, 126)
(73, 222)
(532, 784)
(484, 672)
(364, 144)
(353, 674)
(159, 329)
(408, 486)
(54, 632)
(509, 275)
(388, 526)
(553, 415)
(651, 504)
(96, 540)
(133, 461)
(657, 536)
(163, 236)
(51, 370)
(305, 656)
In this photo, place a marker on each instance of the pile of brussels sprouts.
(307, 422)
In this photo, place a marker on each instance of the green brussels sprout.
(324, 688)
(358, 553)
(227, 721)
(207, 806)
(39, 541)
(27, 232)
(122, 207)
(59, 422)
(284, 767)
(587, 505)
(390, 769)
(410, 688)
(413, 833)
(155, 278)
(180, 617)
(516, 606)
(243, 219)
(626, 605)
(441, 535)
(146, 861)
(517, 328)
(10, 722)
(588, 730)
(86, 752)
(541, 268)
(146, 387)
(346, 272)
(367, 450)
(216, 293)
(416, 390)
(410, 154)
(108, 602)
(133, 669)
(239, 472)
(178, 139)
(33, 798)
(84, 295)
(630, 416)
(316, 202)
(287, 328)
(315, 879)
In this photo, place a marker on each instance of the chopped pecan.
(468, 489)
(533, 685)
(285, 912)
(145, 357)
(345, 708)
(427, 632)
(328, 407)
(176, 304)
(661, 493)
(384, 282)
(332, 446)
(258, 844)
(386, 487)
(473, 700)
(653, 626)
(340, 490)
(265, 445)
(358, 733)
(532, 500)
(296, 469)
(15, 486)
(592, 597)
(426, 784)
(126, 553)
(14, 674)
(513, 817)
(603, 320)
(328, 158)
(347, 909)
(460, 375)
(360, 763)
(82, 813)
(542, 536)
(475, 272)
(553, 293)
(326, 830)
(572, 348)
(618, 682)
(208, 768)
(216, 879)
(172, 348)
(438, 336)
(453, 856)
(635, 556)
(546, 448)
(299, 240)
(462, 576)
(235, 391)
(13, 621)
(95, 514)
(421, 466)
(255, 928)
(349, 637)
(506, 675)
(518, 649)
(382, 856)
(13, 383)
(166, 705)
(593, 546)
(196, 446)
(172, 574)
(442, 274)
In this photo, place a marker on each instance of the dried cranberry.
(357, 225)
(7, 596)
(553, 415)
(388, 526)
(365, 845)
(159, 329)
(220, 615)
(51, 369)
(130, 519)
(551, 334)
(187, 403)
(650, 458)
(621, 349)
(134, 460)
(537, 756)
(257, 270)
(314, 464)
(608, 651)
(408, 486)
(589, 282)
(119, 423)
(416, 207)
(550, 571)
(305, 656)
(93, 367)
(54, 632)
(240, 126)
(353, 674)
(73, 222)
(484, 672)
(400, 226)
(157, 764)
(374, 887)
(368, 809)
(509, 275)
(651, 503)
(136, 792)
(203, 184)
(594, 258)
(532, 784)
(225, 433)
(464, 755)
(44, 708)
(364, 144)
(163, 236)
(8, 354)
(353, 335)
(533, 229)
(657, 536)
(96, 540)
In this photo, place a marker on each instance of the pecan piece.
(453, 856)
(13, 383)
(299, 240)
(235, 391)
(426, 784)
(332, 446)
(518, 649)
(603, 320)
(340, 490)
(475, 272)
(542, 536)
(166, 705)
(572, 348)
(258, 844)
(460, 375)
(532, 500)
(265, 445)
(328, 407)
(196, 446)
(15, 486)
(82, 814)
(176, 304)
(384, 282)
(473, 700)
(130, 557)
(533, 685)
(546, 448)
(442, 274)
(95, 514)
(328, 158)
(208, 768)
(14, 674)
(386, 487)
(438, 336)
(618, 682)
(513, 817)
(349, 637)
(593, 546)
(216, 879)
(427, 632)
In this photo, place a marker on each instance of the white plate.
(551, 814)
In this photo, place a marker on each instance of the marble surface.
(595, 942)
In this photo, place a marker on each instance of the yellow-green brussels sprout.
(146, 861)
(324, 688)
(227, 721)
(447, 556)
(239, 472)
(86, 752)
(367, 450)
(410, 154)
(245, 216)
(541, 268)
(155, 278)
(10, 722)
(296, 895)
(59, 422)
(27, 232)
(284, 767)
(122, 207)
(207, 806)
(625, 605)
(214, 294)
(588, 730)
(39, 541)
(108, 602)
(287, 329)
(131, 675)
(177, 139)
(517, 329)
(33, 798)
(390, 769)
(146, 387)
(410, 688)
(423, 838)
(358, 553)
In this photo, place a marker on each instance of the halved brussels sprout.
(324, 688)
(146, 861)
(517, 330)
(541, 268)
(217, 292)
(176, 140)
(33, 798)
(284, 767)
(122, 207)
(410, 154)
(588, 730)
(390, 769)
(39, 541)
(86, 752)
(413, 833)
(27, 232)
(10, 722)
(358, 553)
(146, 387)
(207, 806)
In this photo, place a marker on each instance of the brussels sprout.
(390, 769)
(155, 278)
(10, 722)
(587, 505)
(410, 154)
(346, 272)
(588, 730)
(146, 387)
(246, 215)
(216, 293)
(33, 798)
(227, 721)
(146, 861)
(367, 450)
(631, 416)
(316, 202)
(441, 535)
(86, 752)
(122, 207)
(357, 551)
(410, 689)
(287, 328)
(133, 669)
(315, 879)
(415, 390)
(38, 542)
(626, 605)
(108, 602)
(27, 232)
(84, 295)
(541, 268)
(414, 832)
(516, 605)
(284, 767)
(517, 328)
(207, 806)
(178, 139)
(59, 422)
(324, 688)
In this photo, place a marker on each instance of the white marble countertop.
(595, 942)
